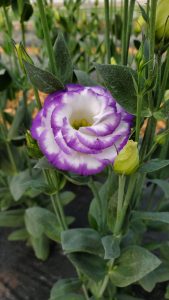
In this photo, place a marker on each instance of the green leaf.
(19, 235)
(63, 60)
(17, 121)
(152, 216)
(40, 246)
(143, 13)
(43, 80)
(127, 297)
(163, 112)
(163, 184)
(82, 240)
(43, 164)
(67, 197)
(91, 265)
(12, 218)
(153, 165)
(160, 274)
(119, 81)
(5, 2)
(84, 79)
(134, 263)
(25, 181)
(97, 217)
(111, 247)
(41, 221)
(63, 287)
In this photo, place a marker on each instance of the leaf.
(82, 240)
(160, 274)
(153, 165)
(91, 265)
(134, 263)
(43, 80)
(127, 297)
(63, 60)
(163, 112)
(12, 218)
(17, 121)
(84, 79)
(119, 81)
(43, 164)
(41, 221)
(111, 247)
(24, 181)
(152, 216)
(66, 197)
(63, 287)
(163, 184)
(40, 246)
(97, 217)
(5, 2)
(18, 235)
(143, 13)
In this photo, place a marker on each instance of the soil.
(23, 277)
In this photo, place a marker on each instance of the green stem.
(103, 287)
(9, 30)
(37, 98)
(60, 208)
(138, 117)
(152, 46)
(129, 27)
(124, 36)
(158, 84)
(107, 31)
(94, 189)
(126, 203)
(122, 180)
(23, 33)
(47, 37)
(165, 76)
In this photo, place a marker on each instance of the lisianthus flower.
(81, 129)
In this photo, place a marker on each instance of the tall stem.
(124, 36)
(138, 117)
(107, 31)
(23, 33)
(122, 180)
(47, 37)
(152, 46)
(165, 76)
(130, 17)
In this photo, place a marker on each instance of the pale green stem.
(165, 76)
(124, 35)
(107, 31)
(129, 27)
(138, 116)
(47, 37)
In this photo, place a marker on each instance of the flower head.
(127, 161)
(81, 129)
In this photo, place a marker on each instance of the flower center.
(76, 124)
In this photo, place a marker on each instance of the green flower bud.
(32, 146)
(162, 22)
(127, 161)
(161, 138)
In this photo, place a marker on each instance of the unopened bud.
(162, 22)
(127, 161)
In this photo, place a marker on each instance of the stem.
(152, 45)
(129, 27)
(47, 37)
(165, 76)
(124, 36)
(103, 287)
(37, 98)
(122, 180)
(127, 199)
(23, 33)
(107, 31)
(94, 189)
(60, 208)
(158, 84)
(138, 117)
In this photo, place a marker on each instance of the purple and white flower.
(81, 129)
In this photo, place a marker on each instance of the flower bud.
(127, 161)
(161, 138)
(162, 21)
(32, 146)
